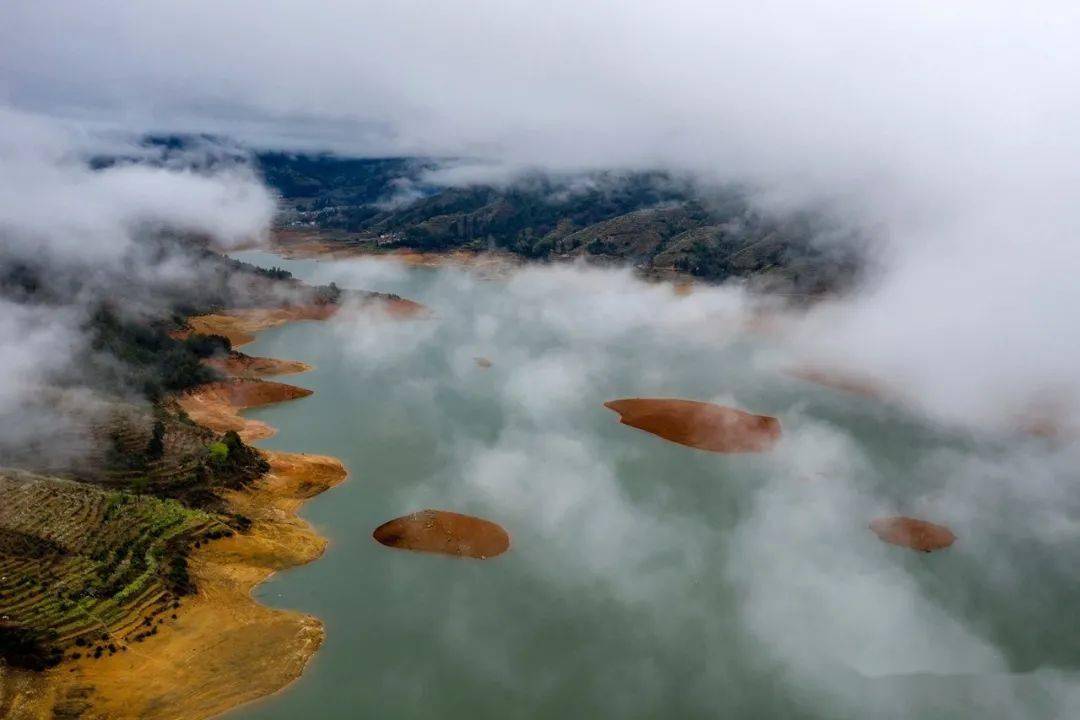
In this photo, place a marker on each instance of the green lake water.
(645, 579)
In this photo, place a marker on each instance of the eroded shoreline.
(220, 648)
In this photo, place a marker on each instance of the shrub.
(219, 452)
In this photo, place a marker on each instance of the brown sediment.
(1047, 417)
(840, 381)
(217, 405)
(315, 244)
(700, 425)
(489, 262)
(483, 362)
(447, 533)
(240, 325)
(683, 288)
(912, 533)
(237, 364)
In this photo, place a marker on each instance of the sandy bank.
(217, 405)
(700, 425)
(912, 533)
(447, 533)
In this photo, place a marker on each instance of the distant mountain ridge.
(659, 223)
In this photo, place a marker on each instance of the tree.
(156, 447)
(219, 452)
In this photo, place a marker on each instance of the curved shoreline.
(222, 648)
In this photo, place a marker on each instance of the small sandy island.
(448, 533)
(482, 362)
(700, 425)
(217, 405)
(912, 533)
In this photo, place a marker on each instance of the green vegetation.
(151, 360)
(651, 220)
(219, 452)
(94, 547)
(80, 563)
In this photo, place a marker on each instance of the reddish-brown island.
(700, 425)
(912, 533)
(448, 533)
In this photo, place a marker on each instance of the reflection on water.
(645, 579)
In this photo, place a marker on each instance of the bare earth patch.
(912, 533)
(293, 244)
(447, 533)
(700, 425)
(237, 364)
(241, 325)
(217, 405)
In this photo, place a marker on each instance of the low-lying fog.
(647, 579)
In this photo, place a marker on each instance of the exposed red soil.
(700, 425)
(240, 365)
(240, 325)
(912, 533)
(216, 405)
(448, 533)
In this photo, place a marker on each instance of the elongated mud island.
(446, 533)
(912, 533)
(700, 425)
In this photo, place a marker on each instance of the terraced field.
(124, 455)
(89, 569)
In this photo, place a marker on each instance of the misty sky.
(947, 132)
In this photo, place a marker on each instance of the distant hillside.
(651, 220)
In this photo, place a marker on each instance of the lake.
(647, 579)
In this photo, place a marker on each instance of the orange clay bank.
(911, 533)
(447, 533)
(700, 425)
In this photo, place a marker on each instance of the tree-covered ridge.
(88, 570)
(106, 484)
(656, 222)
(132, 323)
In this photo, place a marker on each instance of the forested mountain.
(656, 222)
